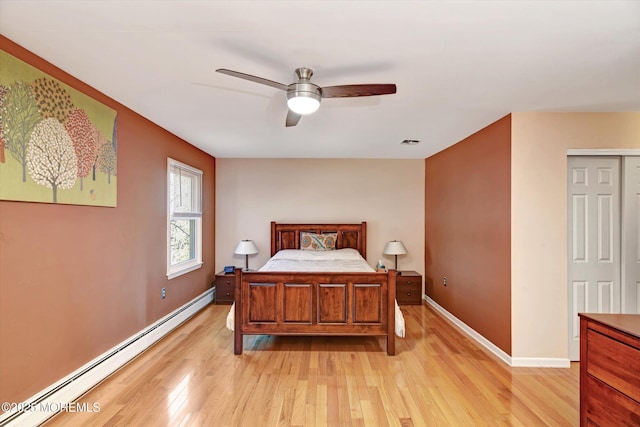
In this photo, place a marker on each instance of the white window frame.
(196, 262)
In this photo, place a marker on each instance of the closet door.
(631, 236)
(593, 240)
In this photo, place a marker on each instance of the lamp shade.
(394, 247)
(246, 247)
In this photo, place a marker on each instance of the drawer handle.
(228, 281)
(228, 294)
(408, 294)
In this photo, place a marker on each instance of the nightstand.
(409, 288)
(225, 288)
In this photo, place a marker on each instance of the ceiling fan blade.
(292, 118)
(346, 91)
(252, 78)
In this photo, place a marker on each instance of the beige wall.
(388, 194)
(539, 218)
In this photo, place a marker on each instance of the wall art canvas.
(57, 145)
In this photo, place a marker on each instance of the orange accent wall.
(77, 280)
(468, 231)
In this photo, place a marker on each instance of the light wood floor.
(438, 378)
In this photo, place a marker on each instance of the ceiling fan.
(303, 97)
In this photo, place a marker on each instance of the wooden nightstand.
(225, 288)
(409, 288)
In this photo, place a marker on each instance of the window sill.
(184, 270)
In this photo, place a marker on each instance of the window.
(184, 225)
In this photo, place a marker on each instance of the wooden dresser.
(609, 369)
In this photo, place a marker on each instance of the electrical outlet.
(444, 281)
(164, 293)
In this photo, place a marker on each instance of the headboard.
(287, 236)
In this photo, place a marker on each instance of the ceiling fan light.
(304, 103)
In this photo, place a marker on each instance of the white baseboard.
(529, 362)
(540, 362)
(60, 395)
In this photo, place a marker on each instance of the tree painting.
(51, 159)
(57, 145)
(19, 116)
(114, 136)
(52, 99)
(98, 141)
(107, 160)
(79, 128)
(3, 93)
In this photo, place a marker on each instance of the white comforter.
(341, 260)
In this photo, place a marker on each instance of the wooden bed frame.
(301, 303)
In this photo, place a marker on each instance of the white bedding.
(340, 260)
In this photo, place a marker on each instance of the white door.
(631, 235)
(593, 240)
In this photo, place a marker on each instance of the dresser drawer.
(225, 288)
(605, 406)
(409, 294)
(408, 281)
(614, 363)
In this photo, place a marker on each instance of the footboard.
(292, 303)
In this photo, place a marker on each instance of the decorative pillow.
(318, 242)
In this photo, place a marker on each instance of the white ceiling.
(458, 65)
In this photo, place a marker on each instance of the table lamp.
(395, 247)
(246, 248)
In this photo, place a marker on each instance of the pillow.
(318, 242)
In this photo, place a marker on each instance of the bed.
(287, 297)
